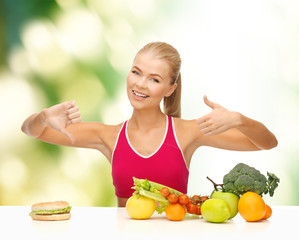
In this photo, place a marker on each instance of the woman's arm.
(232, 130)
(61, 125)
(57, 117)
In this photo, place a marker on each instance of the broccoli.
(243, 178)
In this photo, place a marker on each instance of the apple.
(231, 199)
(215, 210)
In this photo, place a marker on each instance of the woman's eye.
(155, 80)
(135, 72)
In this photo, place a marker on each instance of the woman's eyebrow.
(137, 68)
(152, 74)
(155, 74)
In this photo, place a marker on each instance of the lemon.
(140, 207)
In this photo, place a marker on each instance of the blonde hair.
(164, 51)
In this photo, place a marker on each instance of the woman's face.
(148, 81)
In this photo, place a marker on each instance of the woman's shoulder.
(186, 128)
(187, 133)
(184, 124)
(109, 128)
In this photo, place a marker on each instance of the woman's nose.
(141, 83)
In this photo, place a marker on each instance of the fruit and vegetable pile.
(241, 192)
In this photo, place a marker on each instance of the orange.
(175, 212)
(252, 207)
(268, 212)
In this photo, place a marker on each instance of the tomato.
(191, 208)
(173, 198)
(204, 198)
(164, 192)
(197, 210)
(183, 199)
(196, 199)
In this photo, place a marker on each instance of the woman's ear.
(172, 88)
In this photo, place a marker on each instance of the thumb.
(68, 135)
(208, 102)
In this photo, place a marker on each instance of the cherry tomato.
(183, 199)
(164, 192)
(191, 208)
(197, 210)
(204, 198)
(196, 198)
(173, 198)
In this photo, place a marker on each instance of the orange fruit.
(175, 212)
(268, 212)
(252, 207)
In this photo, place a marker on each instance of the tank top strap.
(170, 138)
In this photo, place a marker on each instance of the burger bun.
(52, 217)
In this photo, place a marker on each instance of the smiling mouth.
(140, 95)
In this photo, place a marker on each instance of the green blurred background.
(242, 54)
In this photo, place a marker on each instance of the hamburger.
(51, 211)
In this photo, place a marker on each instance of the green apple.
(231, 198)
(215, 210)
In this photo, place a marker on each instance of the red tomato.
(183, 199)
(196, 198)
(191, 208)
(204, 198)
(164, 192)
(197, 210)
(173, 198)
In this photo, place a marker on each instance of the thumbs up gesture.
(218, 120)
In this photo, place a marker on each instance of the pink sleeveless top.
(166, 165)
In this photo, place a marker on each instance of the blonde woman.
(153, 144)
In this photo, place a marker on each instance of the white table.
(107, 223)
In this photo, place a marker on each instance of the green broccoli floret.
(243, 178)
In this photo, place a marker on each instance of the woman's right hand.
(59, 116)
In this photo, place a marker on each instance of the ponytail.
(172, 104)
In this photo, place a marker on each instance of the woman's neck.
(147, 119)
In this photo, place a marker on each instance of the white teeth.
(140, 95)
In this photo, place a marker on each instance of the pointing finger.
(208, 102)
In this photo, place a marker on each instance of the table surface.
(109, 222)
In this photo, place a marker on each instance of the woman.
(151, 144)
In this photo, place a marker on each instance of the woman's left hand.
(218, 120)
